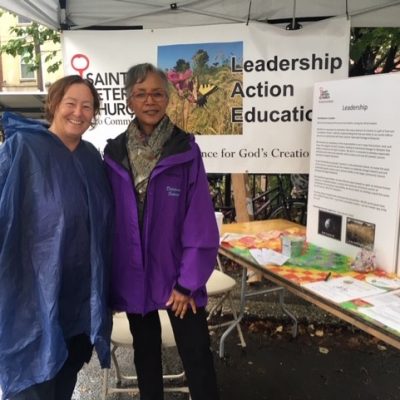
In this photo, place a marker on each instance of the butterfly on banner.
(187, 87)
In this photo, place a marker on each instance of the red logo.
(80, 63)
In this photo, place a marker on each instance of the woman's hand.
(179, 303)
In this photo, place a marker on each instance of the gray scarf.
(144, 151)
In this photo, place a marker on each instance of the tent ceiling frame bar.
(41, 13)
(369, 9)
(209, 14)
(143, 3)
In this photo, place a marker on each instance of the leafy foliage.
(181, 65)
(374, 50)
(200, 60)
(26, 43)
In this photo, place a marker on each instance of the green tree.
(181, 65)
(27, 43)
(200, 60)
(374, 50)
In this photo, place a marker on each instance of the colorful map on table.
(312, 266)
(263, 240)
(312, 257)
(315, 265)
(321, 259)
(302, 275)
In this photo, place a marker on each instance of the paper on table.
(257, 255)
(268, 256)
(386, 299)
(386, 309)
(226, 237)
(386, 315)
(343, 289)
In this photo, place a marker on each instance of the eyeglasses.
(155, 96)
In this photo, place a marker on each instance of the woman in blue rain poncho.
(55, 217)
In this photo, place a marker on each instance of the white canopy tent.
(113, 14)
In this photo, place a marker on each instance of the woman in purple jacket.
(166, 237)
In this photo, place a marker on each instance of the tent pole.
(294, 25)
(294, 15)
(248, 14)
(63, 14)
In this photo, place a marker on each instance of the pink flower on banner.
(182, 82)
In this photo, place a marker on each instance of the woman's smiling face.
(149, 101)
(74, 115)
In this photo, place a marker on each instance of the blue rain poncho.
(55, 221)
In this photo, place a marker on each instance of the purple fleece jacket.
(178, 242)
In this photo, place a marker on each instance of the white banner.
(246, 90)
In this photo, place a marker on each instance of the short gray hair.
(138, 74)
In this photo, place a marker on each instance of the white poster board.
(354, 167)
(246, 89)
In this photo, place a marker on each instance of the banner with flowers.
(245, 91)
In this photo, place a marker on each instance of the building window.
(23, 20)
(26, 71)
